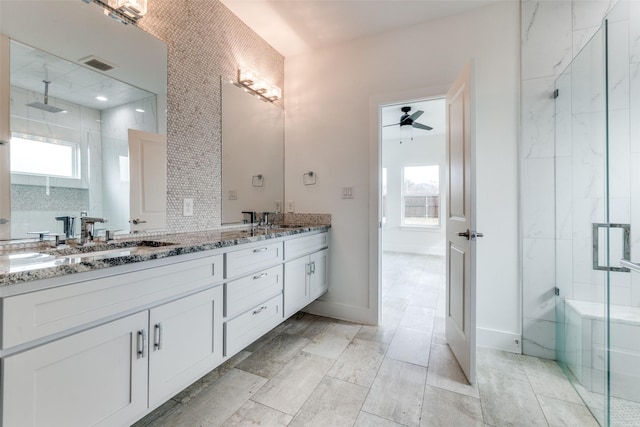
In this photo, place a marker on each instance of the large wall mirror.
(252, 154)
(69, 122)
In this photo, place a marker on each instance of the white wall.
(423, 150)
(327, 130)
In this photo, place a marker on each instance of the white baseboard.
(336, 310)
(499, 340)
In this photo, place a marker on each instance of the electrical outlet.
(347, 192)
(291, 206)
(278, 204)
(187, 207)
(233, 195)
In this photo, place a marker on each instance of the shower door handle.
(633, 266)
(626, 246)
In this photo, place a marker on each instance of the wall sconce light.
(250, 80)
(134, 9)
(125, 11)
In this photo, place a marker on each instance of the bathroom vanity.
(104, 337)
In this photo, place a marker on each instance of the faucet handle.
(40, 234)
(110, 234)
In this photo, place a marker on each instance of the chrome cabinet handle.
(157, 330)
(142, 337)
(313, 267)
(260, 276)
(259, 250)
(260, 310)
(137, 221)
(307, 268)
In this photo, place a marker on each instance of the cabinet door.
(296, 292)
(319, 279)
(186, 342)
(93, 378)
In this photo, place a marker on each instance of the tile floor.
(315, 371)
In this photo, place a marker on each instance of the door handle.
(137, 221)
(470, 235)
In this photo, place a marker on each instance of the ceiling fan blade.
(415, 115)
(421, 126)
(395, 124)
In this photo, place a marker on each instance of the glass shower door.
(582, 218)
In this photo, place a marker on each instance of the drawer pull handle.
(158, 336)
(259, 250)
(142, 336)
(260, 310)
(260, 276)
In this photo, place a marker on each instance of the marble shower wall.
(553, 34)
(205, 41)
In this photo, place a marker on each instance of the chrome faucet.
(68, 225)
(87, 224)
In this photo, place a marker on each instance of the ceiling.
(298, 26)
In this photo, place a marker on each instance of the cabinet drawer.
(246, 261)
(38, 314)
(244, 293)
(251, 325)
(295, 248)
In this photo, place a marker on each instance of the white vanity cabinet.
(253, 303)
(305, 271)
(185, 341)
(96, 377)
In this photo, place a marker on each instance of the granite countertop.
(33, 264)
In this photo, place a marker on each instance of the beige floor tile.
(311, 326)
(442, 408)
(418, 318)
(444, 372)
(397, 391)
(333, 403)
(333, 340)
(560, 413)
(255, 414)
(269, 359)
(411, 346)
(216, 403)
(366, 419)
(547, 379)
(203, 383)
(381, 334)
(507, 399)
(289, 389)
(359, 363)
(488, 358)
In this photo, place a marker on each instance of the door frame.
(376, 102)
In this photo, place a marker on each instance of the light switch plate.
(278, 204)
(233, 195)
(291, 206)
(347, 192)
(187, 207)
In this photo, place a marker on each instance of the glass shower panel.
(582, 213)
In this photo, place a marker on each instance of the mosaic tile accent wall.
(205, 41)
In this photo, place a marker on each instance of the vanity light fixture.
(254, 83)
(125, 11)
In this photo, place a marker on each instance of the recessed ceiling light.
(139, 110)
(101, 98)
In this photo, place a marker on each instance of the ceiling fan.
(410, 120)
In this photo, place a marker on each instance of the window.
(421, 196)
(44, 156)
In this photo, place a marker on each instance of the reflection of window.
(421, 196)
(384, 195)
(44, 156)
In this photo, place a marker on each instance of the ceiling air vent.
(97, 63)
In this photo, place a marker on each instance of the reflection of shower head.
(45, 106)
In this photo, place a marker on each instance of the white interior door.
(148, 180)
(460, 252)
(5, 135)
